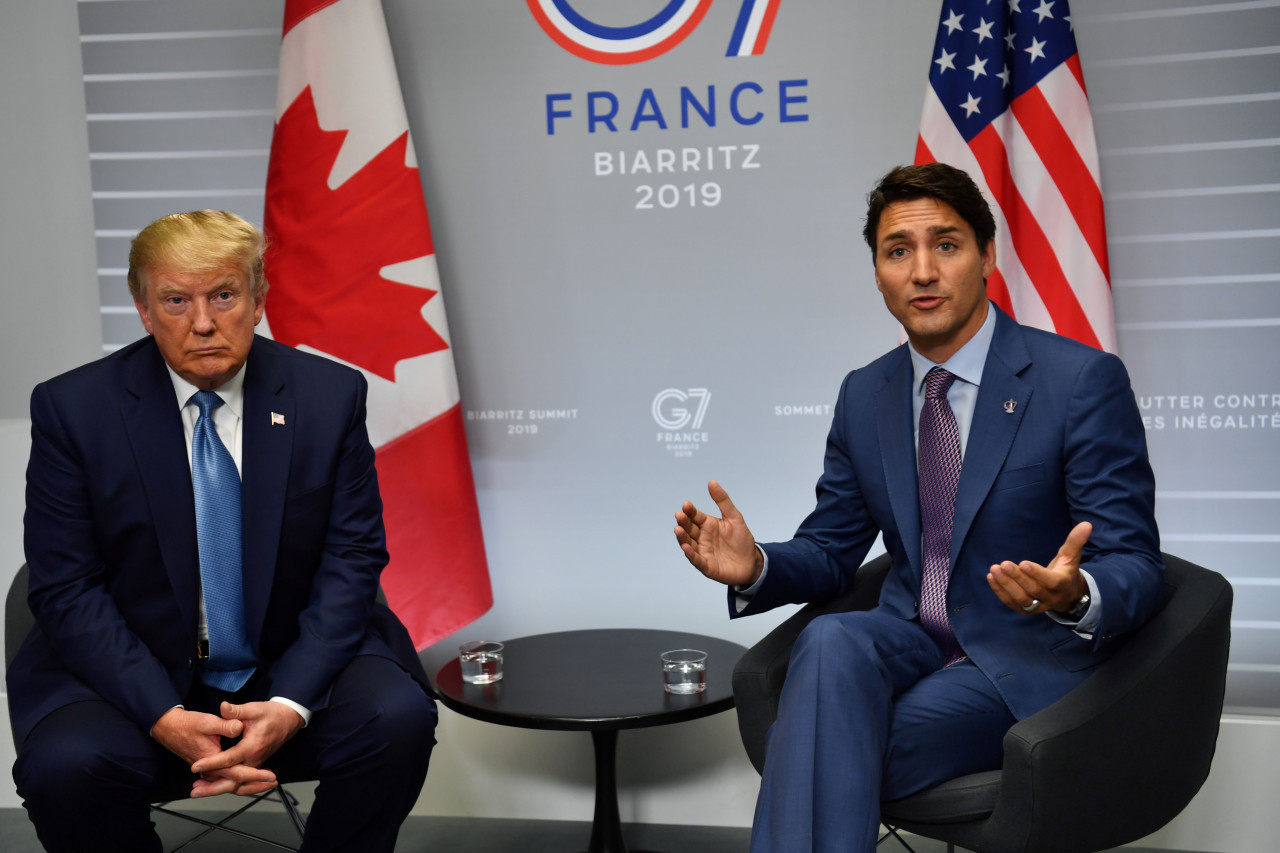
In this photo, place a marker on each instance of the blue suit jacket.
(1073, 449)
(111, 541)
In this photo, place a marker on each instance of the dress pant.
(87, 774)
(867, 713)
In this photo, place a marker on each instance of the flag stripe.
(1070, 248)
(1021, 126)
(998, 291)
(1058, 153)
(1065, 95)
(943, 140)
(1030, 242)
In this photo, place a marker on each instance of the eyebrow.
(933, 230)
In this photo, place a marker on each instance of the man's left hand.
(1028, 587)
(267, 726)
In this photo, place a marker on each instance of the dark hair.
(937, 181)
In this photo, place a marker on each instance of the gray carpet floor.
(456, 835)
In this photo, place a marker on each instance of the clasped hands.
(724, 550)
(196, 737)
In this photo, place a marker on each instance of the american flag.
(1006, 102)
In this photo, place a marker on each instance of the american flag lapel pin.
(277, 419)
(1009, 406)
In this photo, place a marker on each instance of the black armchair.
(1112, 761)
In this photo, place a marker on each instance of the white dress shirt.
(227, 420)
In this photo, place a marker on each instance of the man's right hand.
(722, 548)
(191, 735)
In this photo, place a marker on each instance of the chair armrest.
(1139, 733)
(758, 677)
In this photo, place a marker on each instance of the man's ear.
(145, 315)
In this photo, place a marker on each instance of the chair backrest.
(18, 618)
(1149, 715)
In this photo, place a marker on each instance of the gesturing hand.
(1056, 586)
(722, 548)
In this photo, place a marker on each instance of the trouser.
(88, 775)
(867, 713)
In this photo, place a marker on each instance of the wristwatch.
(1079, 609)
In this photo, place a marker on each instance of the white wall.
(48, 308)
(49, 315)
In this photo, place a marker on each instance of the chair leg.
(287, 800)
(893, 832)
(290, 803)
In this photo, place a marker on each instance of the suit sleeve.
(1110, 484)
(69, 595)
(334, 624)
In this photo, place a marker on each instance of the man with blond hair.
(204, 535)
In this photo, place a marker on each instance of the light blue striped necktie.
(217, 492)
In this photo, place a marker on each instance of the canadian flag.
(353, 277)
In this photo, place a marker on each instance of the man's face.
(202, 321)
(931, 272)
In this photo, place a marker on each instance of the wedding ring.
(1035, 602)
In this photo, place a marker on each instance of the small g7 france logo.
(636, 43)
(670, 413)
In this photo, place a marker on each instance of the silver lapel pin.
(1010, 405)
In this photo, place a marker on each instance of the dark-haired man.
(204, 535)
(1006, 469)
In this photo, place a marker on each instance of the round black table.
(599, 681)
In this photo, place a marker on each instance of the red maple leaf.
(325, 247)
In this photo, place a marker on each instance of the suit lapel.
(997, 414)
(267, 433)
(153, 422)
(896, 434)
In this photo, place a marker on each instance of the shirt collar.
(231, 391)
(967, 362)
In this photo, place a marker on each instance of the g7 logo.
(624, 45)
(680, 417)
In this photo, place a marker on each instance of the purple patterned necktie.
(939, 451)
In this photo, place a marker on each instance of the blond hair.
(199, 241)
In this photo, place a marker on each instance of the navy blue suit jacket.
(111, 541)
(1073, 449)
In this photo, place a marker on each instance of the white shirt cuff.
(302, 712)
